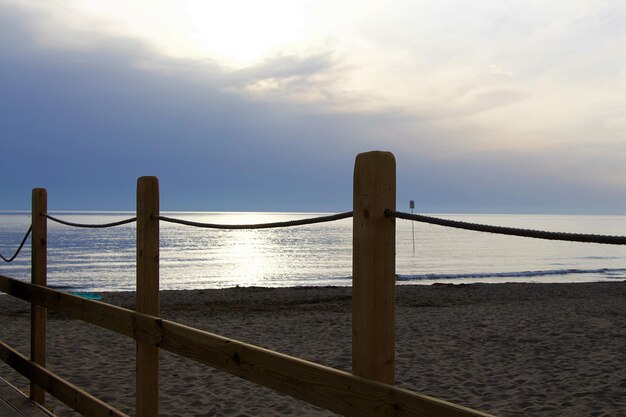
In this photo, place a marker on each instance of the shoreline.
(512, 349)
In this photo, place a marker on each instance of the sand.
(506, 349)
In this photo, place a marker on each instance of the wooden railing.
(368, 391)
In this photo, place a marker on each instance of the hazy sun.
(243, 31)
(236, 32)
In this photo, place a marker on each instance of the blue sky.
(488, 106)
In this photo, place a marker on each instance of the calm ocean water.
(191, 258)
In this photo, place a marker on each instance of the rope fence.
(502, 230)
(91, 226)
(7, 260)
(511, 231)
(290, 223)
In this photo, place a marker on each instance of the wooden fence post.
(373, 266)
(39, 240)
(147, 378)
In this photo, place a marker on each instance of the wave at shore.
(609, 273)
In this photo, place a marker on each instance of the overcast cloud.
(488, 106)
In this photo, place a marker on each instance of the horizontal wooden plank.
(104, 315)
(14, 402)
(79, 400)
(7, 411)
(326, 387)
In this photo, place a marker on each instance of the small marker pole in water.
(412, 206)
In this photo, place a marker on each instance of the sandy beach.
(506, 349)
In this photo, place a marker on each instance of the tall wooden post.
(39, 241)
(373, 266)
(147, 378)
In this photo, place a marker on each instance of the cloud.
(308, 78)
(86, 118)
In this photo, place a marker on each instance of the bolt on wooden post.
(147, 378)
(38, 319)
(373, 266)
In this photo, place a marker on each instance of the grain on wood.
(373, 267)
(39, 242)
(147, 382)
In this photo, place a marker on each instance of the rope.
(30, 228)
(301, 222)
(91, 226)
(537, 234)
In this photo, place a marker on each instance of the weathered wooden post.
(39, 242)
(147, 378)
(373, 266)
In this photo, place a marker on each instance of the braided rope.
(30, 229)
(91, 226)
(511, 231)
(290, 223)
(537, 234)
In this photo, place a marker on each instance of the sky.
(488, 106)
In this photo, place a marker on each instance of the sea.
(94, 260)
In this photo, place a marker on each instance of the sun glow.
(238, 33)
(243, 31)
